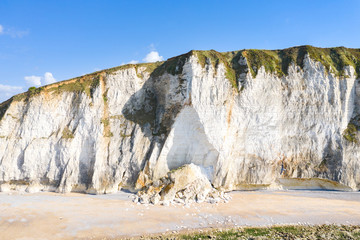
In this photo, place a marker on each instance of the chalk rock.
(239, 120)
(183, 185)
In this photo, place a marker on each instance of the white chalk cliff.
(131, 126)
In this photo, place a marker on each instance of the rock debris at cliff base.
(184, 186)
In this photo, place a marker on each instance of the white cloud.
(10, 89)
(152, 47)
(37, 81)
(153, 56)
(33, 80)
(133, 62)
(14, 33)
(49, 78)
(6, 91)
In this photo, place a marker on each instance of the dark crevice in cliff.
(148, 108)
(4, 107)
(332, 162)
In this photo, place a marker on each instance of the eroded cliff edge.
(249, 119)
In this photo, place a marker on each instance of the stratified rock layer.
(245, 127)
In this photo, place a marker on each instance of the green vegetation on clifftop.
(278, 61)
(336, 58)
(32, 91)
(274, 61)
(86, 84)
(214, 58)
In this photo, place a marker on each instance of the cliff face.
(249, 119)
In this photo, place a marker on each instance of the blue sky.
(46, 41)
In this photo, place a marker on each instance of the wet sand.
(80, 216)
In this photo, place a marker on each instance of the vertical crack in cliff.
(104, 175)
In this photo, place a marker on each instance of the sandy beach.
(81, 216)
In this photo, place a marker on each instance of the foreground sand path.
(80, 216)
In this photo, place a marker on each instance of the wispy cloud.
(49, 78)
(152, 47)
(6, 91)
(33, 80)
(37, 81)
(153, 56)
(17, 33)
(14, 33)
(9, 88)
(133, 62)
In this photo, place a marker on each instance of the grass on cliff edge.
(274, 232)
(278, 61)
(274, 61)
